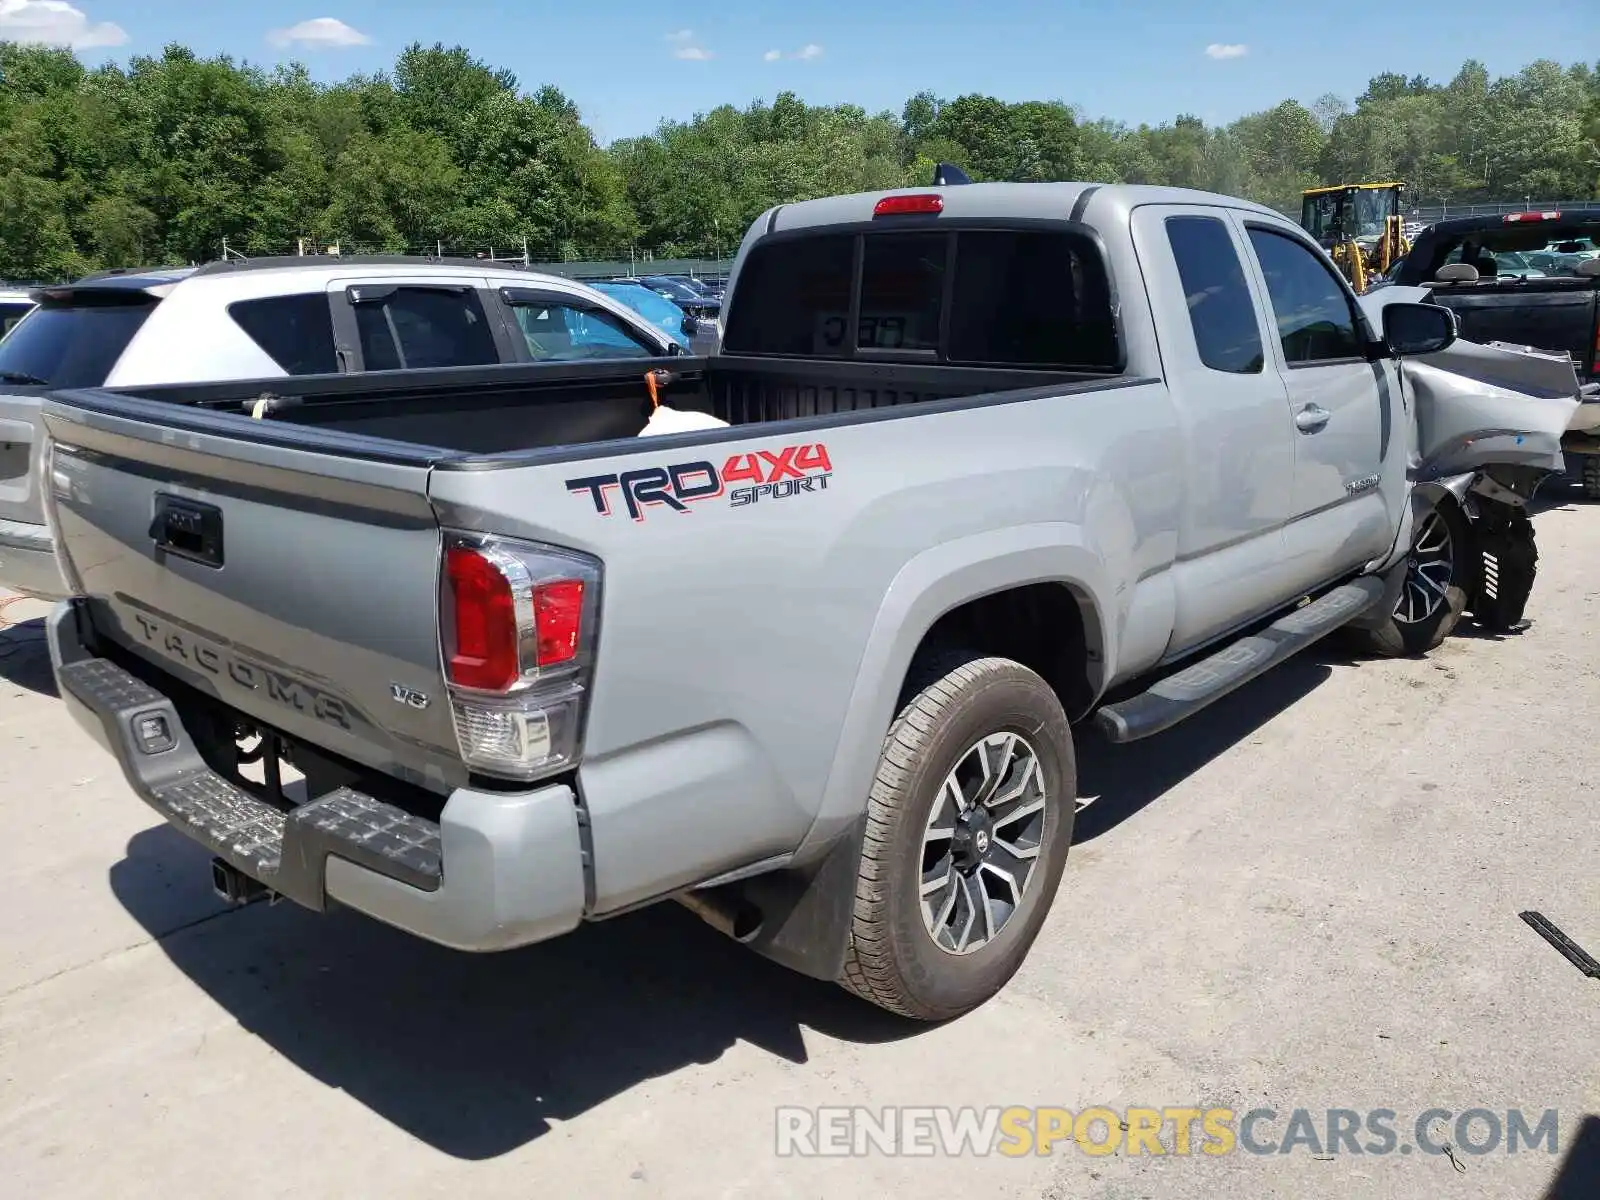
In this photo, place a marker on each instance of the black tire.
(1591, 476)
(1401, 637)
(893, 959)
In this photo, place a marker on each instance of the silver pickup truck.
(482, 662)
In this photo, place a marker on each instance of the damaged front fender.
(1478, 406)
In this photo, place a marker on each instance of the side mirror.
(1418, 328)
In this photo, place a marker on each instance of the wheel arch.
(1030, 565)
(1036, 567)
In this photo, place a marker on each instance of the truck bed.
(1551, 314)
(498, 410)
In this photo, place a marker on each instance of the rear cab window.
(74, 339)
(1020, 298)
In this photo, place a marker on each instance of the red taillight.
(897, 206)
(558, 610)
(517, 637)
(484, 654)
(1518, 218)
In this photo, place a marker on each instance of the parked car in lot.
(696, 335)
(704, 287)
(690, 299)
(273, 319)
(974, 461)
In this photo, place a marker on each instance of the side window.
(409, 327)
(10, 314)
(562, 333)
(296, 332)
(1220, 307)
(1315, 319)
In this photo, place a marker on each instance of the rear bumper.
(496, 871)
(28, 561)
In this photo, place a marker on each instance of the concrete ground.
(1308, 899)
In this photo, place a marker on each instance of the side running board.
(1182, 695)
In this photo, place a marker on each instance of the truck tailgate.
(291, 574)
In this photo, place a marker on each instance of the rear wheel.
(968, 824)
(1434, 593)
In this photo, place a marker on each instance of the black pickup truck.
(1529, 278)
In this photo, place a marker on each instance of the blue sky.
(629, 63)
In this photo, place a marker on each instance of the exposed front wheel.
(1434, 592)
(968, 825)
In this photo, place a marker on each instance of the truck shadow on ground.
(25, 657)
(1117, 782)
(477, 1054)
(1578, 1177)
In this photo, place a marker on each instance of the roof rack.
(279, 262)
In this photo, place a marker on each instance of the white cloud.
(1227, 50)
(55, 23)
(318, 34)
(685, 47)
(810, 52)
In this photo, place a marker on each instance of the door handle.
(1311, 418)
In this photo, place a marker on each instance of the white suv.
(274, 317)
(271, 318)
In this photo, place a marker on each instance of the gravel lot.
(1307, 900)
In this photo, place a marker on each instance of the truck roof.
(1039, 201)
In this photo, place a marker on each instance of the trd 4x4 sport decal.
(743, 479)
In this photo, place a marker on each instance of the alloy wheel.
(982, 842)
(1430, 570)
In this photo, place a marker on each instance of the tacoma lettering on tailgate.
(185, 647)
(744, 479)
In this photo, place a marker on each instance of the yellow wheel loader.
(1360, 226)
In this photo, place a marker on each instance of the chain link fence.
(1429, 213)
